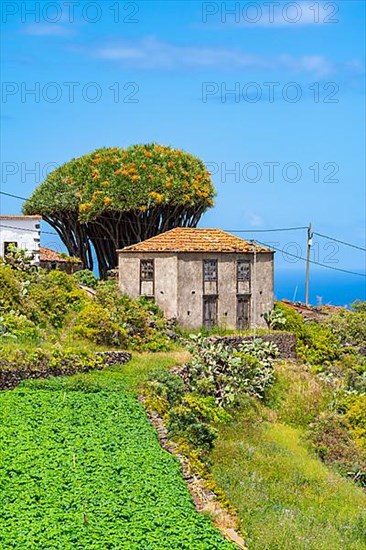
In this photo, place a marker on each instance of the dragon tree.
(114, 197)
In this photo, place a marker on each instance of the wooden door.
(242, 312)
(209, 311)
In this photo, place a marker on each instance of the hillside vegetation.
(280, 445)
(46, 318)
(276, 440)
(285, 497)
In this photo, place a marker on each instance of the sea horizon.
(326, 287)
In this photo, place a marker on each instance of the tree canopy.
(115, 197)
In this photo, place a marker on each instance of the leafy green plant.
(217, 370)
(17, 326)
(19, 258)
(275, 319)
(316, 344)
(86, 277)
(106, 482)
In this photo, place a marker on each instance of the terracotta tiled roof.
(18, 217)
(185, 239)
(48, 255)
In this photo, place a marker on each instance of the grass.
(81, 467)
(129, 377)
(286, 498)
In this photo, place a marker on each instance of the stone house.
(201, 277)
(50, 259)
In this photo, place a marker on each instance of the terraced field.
(82, 469)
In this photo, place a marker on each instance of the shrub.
(316, 344)
(358, 305)
(86, 277)
(349, 372)
(54, 305)
(10, 287)
(19, 259)
(216, 379)
(193, 418)
(294, 321)
(143, 322)
(356, 416)
(167, 385)
(17, 364)
(216, 370)
(349, 326)
(331, 439)
(17, 326)
(52, 297)
(94, 323)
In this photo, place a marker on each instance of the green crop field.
(84, 470)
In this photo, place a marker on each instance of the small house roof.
(48, 255)
(188, 239)
(19, 217)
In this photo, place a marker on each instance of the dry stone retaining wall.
(11, 378)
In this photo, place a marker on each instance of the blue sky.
(119, 73)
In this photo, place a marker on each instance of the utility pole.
(254, 289)
(310, 242)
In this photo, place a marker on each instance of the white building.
(23, 231)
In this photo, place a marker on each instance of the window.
(209, 270)
(7, 245)
(147, 270)
(243, 270)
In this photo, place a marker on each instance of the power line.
(26, 229)
(229, 230)
(259, 242)
(263, 230)
(339, 241)
(130, 222)
(312, 261)
(13, 196)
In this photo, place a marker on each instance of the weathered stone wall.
(166, 278)
(191, 291)
(9, 379)
(285, 341)
(114, 357)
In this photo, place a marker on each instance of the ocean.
(326, 287)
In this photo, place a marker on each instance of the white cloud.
(48, 29)
(254, 220)
(150, 53)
